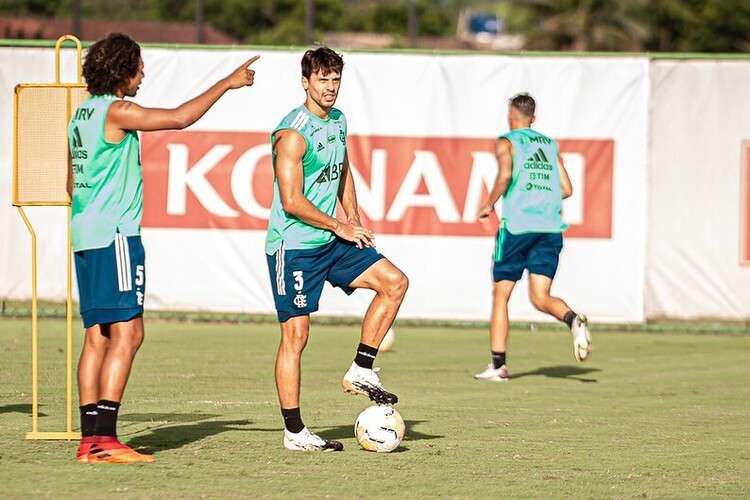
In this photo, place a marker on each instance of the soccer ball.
(388, 340)
(379, 428)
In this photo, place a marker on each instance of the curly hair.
(110, 63)
(323, 59)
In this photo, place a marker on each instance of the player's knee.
(137, 341)
(500, 295)
(127, 348)
(294, 340)
(539, 300)
(397, 285)
(91, 343)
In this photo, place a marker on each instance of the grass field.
(649, 415)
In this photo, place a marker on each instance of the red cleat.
(82, 455)
(108, 450)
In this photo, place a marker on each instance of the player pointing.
(533, 182)
(308, 245)
(107, 198)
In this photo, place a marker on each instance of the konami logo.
(745, 205)
(405, 185)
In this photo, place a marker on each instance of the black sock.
(106, 421)
(569, 317)
(365, 356)
(498, 359)
(88, 419)
(292, 419)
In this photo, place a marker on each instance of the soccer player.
(307, 244)
(533, 182)
(107, 197)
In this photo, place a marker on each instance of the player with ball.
(307, 245)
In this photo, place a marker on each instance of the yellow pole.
(35, 434)
(69, 346)
(58, 46)
(69, 245)
(34, 338)
(69, 311)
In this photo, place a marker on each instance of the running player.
(307, 244)
(106, 192)
(533, 182)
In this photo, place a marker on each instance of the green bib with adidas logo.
(533, 201)
(107, 178)
(321, 166)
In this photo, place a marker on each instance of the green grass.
(648, 415)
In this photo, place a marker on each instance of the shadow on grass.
(171, 437)
(347, 431)
(566, 372)
(20, 408)
(165, 417)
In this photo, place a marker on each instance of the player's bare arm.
(126, 115)
(348, 195)
(565, 184)
(504, 155)
(290, 149)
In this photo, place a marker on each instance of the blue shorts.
(537, 252)
(298, 276)
(111, 281)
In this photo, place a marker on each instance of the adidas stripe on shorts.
(111, 281)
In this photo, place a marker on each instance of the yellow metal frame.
(35, 433)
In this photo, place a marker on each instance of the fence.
(655, 148)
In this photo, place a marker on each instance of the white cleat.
(358, 380)
(492, 374)
(305, 440)
(581, 337)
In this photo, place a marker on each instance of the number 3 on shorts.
(299, 281)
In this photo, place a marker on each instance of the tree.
(583, 24)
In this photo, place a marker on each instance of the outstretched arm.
(126, 115)
(565, 184)
(504, 155)
(290, 148)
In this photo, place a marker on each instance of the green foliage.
(654, 25)
(282, 22)
(39, 8)
(713, 26)
(581, 24)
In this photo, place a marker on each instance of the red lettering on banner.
(745, 204)
(405, 185)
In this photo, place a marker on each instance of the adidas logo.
(320, 146)
(77, 142)
(540, 156)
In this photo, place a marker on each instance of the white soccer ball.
(379, 429)
(388, 341)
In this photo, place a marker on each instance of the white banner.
(422, 132)
(699, 190)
